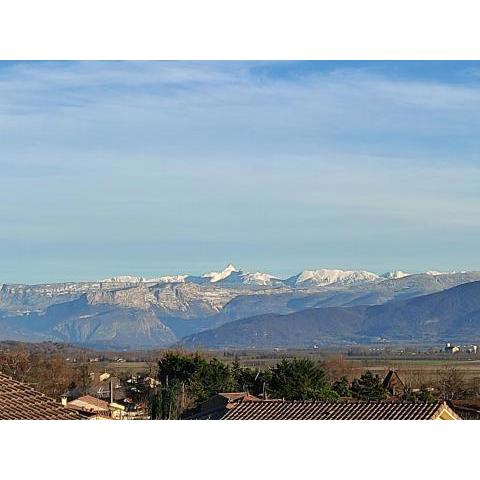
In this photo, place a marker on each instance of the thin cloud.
(232, 154)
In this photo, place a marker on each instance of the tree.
(300, 379)
(188, 380)
(368, 387)
(342, 387)
(178, 367)
(166, 403)
(209, 379)
(249, 380)
(451, 384)
(338, 367)
(16, 363)
(49, 373)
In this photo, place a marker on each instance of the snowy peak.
(259, 278)
(396, 274)
(434, 273)
(234, 276)
(324, 277)
(217, 276)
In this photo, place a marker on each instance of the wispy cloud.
(236, 153)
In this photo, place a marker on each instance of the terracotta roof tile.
(285, 410)
(19, 401)
(89, 403)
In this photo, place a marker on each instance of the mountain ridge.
(449, 314)
(167, 311)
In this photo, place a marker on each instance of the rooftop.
(89, 403)
(19, 401)
(315, 410)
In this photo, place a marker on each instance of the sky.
(152, 168)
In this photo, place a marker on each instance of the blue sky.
(168, 167)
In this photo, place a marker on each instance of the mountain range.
(452, 314)
(137, 312)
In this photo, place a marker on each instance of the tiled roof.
(89, 403)
(19, 401)
(285, 410)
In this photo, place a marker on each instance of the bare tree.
(48, 373)
(452, 384)
(16, 363)
(337, 367)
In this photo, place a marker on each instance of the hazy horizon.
(156, 168)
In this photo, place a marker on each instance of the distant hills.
(452, 314)
(135, 312)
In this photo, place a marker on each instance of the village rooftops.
(316, 410)
(19, 401)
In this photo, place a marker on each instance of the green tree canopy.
(300, 379)
(342, 387)
(250, 380)
(369, 387)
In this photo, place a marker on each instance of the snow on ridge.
(124, 279)
(231, 275)
(258, 278)
(168, 279)
(324, 277)
(395, 274)
(138, 279)
(217, 276)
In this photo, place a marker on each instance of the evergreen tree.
(425, 395)
(249, 380)
(300, 379)
(369, 387)
(422, 395)
(342, 387)
(209, 379)
(165, 403)
(176, 367)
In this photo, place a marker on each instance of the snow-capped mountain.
(231, 275)
(214, 277)
(124, 279)
(395, 274)
(324, 277)
(145, 311)
(259, 278)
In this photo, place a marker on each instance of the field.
(415, 368)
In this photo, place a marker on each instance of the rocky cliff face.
(24, 298)
(132, 297)
(126, 327)
(142, 313)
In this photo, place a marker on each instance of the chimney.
(111, 391)
(63, 399)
